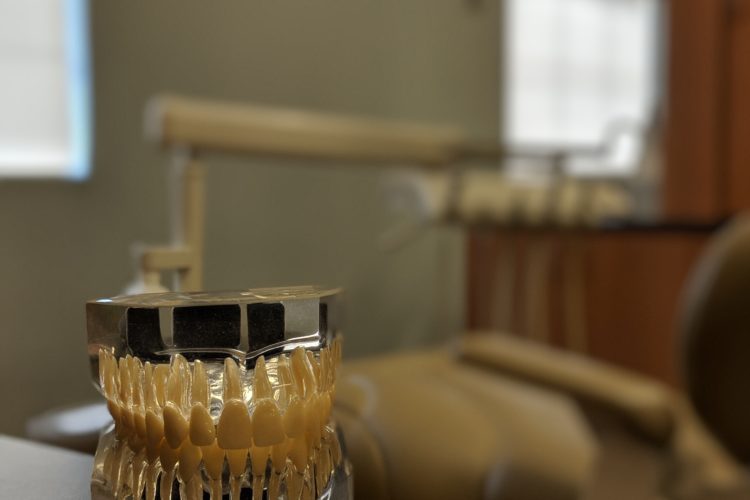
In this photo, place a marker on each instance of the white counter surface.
(33, 471)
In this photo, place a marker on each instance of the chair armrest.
(648, 404)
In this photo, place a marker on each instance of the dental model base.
(216, 393)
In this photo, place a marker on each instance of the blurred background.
(644, 97)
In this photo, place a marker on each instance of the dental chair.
(507, 404)
(490, 416)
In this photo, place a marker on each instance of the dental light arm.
(202, 126)
(191, 127)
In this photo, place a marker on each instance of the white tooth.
(124, 372)
(181, 366)
(258, 487)
(115, 373)
(200, 384)
(103, 362)
(261, 384)
(294, 417)
(235, 427)
(175, 425)
(189, 461)
(232, 381)
(259, 459)
(213, 459)
(154, 428)
(135, 443)
(126, 474)
(126, 419)
(325, 369)
(197, 482)
(152, 474)
(237, 460)
(174, 388)
(202, 430)
(108, 371)
(152, 452)
(139, 415)
(112, 462)
(121, 429)
(148, 387)
(114, 410)
(161, 377)
(139, 469)
(235, 487)
(168, 458)
(327, 406)
(136, 379)
(234, 430)
(312, 419)
(278, 456)
(324, 466)
(217, 490)
(298, 453)
(179, 382)
(139, 424)
(308, 490)
(333, 441)
(165, 483)
(274, 485)
(298, 385)
(315, 367)
(322, 401)
(294, 484)
(303, 371)
(268, 428)
(108, 383)
(191, 488)
(337, 351)
(331, 368)
(285, 378)
(153, 419)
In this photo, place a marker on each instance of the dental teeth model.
(215, 393)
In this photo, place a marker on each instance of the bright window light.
(44, 89)
(581, 76)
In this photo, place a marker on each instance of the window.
(581, 82)
(44, 89)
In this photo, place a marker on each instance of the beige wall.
(269, 223)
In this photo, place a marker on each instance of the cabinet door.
(695, 180)
(614, 295)
(738, 105)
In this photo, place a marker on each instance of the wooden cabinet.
(615, 294)
(707, 174)
(612, 294)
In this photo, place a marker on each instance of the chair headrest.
(715, 336)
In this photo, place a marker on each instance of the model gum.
(222, 424)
